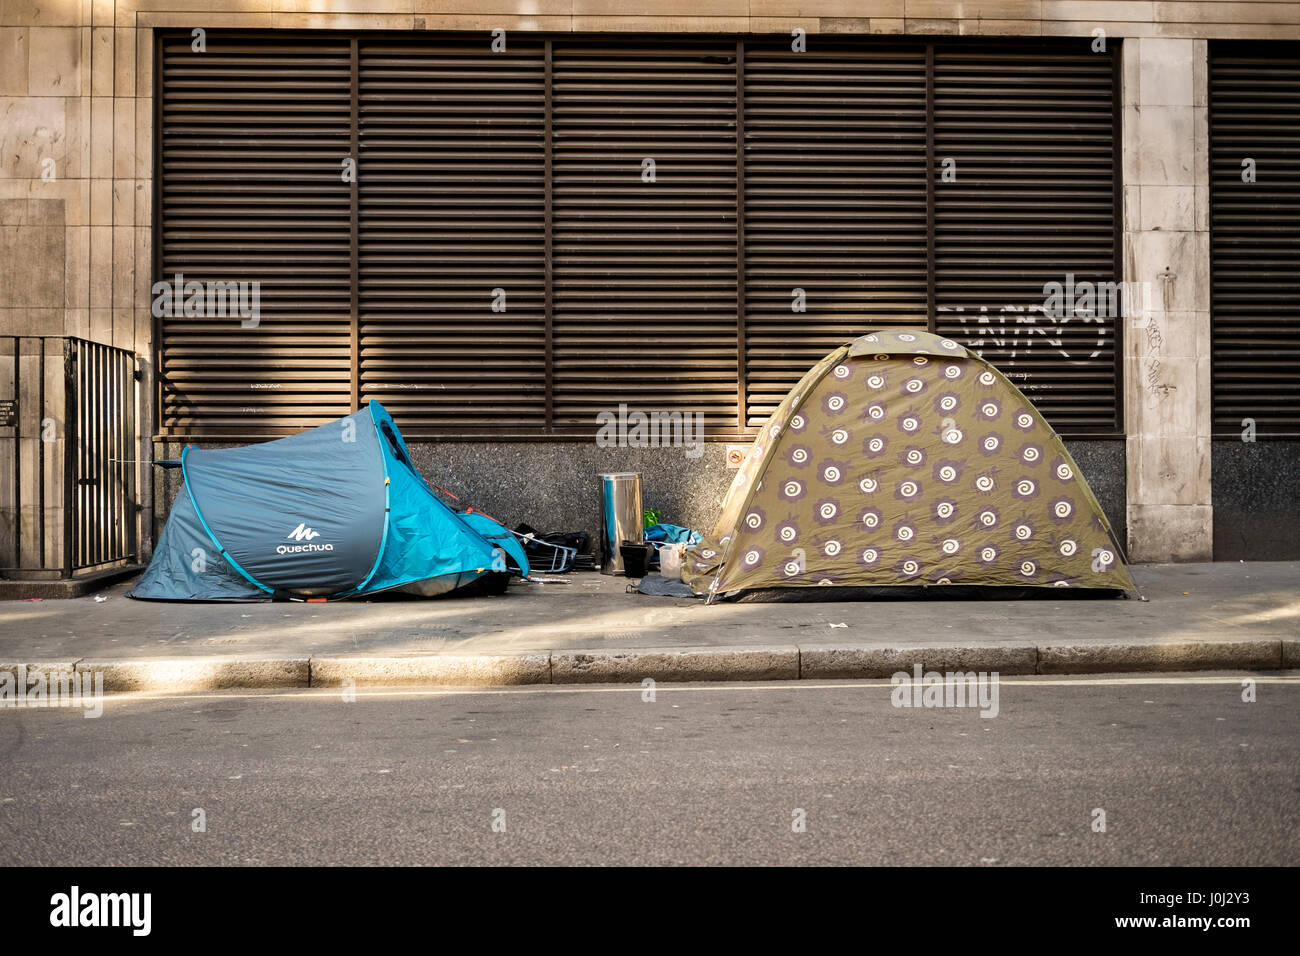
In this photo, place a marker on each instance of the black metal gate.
(68, 499)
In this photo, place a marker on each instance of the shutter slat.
(1032, 135)
(451, 200)
(253, 134)
(832, 206)
(1255, 239)
(644, 272)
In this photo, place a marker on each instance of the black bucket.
(636, 558)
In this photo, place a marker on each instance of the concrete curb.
(780, 662)
(1291, 652)
(63, 589)
(1182, 656)
(829, 663)
(735, 663)
(469, 669)
(180, 675)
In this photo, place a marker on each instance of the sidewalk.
(1198, 616)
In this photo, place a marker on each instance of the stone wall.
(1256, 501)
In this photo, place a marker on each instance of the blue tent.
(333, 512)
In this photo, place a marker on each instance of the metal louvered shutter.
(518, 179)
(452, 199)
(252, 134)
(1032, 133)
(834, 201)
(645, 273)
(1255, 238)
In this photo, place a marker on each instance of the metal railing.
(68, 498)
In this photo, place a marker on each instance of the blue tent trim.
(388, 509)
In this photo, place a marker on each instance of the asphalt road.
(1186, 772)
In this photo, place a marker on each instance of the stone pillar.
(1167, 336)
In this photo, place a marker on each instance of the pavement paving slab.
(591, 629)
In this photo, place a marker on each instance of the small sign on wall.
(8, 412)
(736, 455)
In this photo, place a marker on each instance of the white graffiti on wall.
(1017, 331)
(1013, 331)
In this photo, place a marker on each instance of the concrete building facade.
(77, 234)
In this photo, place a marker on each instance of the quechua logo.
(302, 533)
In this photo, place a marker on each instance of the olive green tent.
(903, 459)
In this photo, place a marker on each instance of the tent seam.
(211, 535)
(388, 507)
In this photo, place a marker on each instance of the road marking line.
(332, 693)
